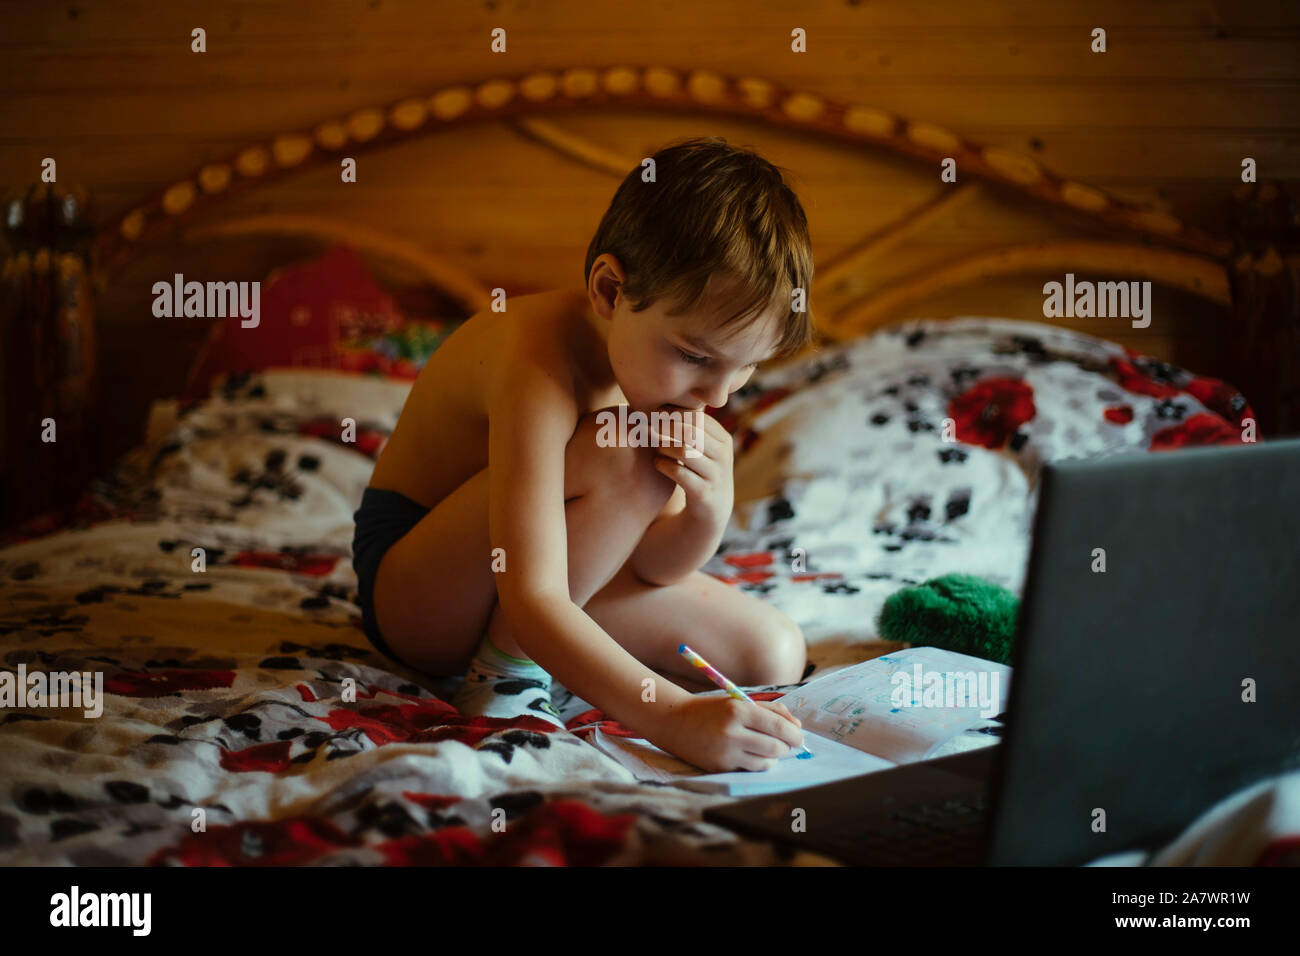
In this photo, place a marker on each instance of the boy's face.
(686, 360)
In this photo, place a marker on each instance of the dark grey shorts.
(382, 521)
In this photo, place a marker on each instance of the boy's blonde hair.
(714, 211)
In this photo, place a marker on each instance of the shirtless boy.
(499, 538)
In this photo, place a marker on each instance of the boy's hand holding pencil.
(722, 734)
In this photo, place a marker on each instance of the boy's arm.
(675, 545)
(531, 413)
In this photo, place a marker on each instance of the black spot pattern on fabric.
(40, 801)
(1031, 347)
(958, 504)
(516, 804)
(308, 462)
(841, 587)
(316, 602)
(249, 725)
(505, 744)
(918, 511)
(504, 750)
(779, 510)
(879, 419)
(508, 688)
(135, 829)
(526, 738)
(127, 791)
(282, 664)
(390, 819)
(66, 827)
(1018, 441)
(949, 456)
(98, 595)
(8, 830)
(915, 339)
(1168, 408)
(821, 367)
(1162, 372)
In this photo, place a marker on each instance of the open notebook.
(887, 711)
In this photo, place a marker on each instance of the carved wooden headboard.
(59, 266)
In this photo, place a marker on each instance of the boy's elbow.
(520, 599)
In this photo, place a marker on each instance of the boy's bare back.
(441, 438)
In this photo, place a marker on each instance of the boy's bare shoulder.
(548, 333)
(552, 332)
(545, 321)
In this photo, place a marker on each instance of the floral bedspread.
(246, 720)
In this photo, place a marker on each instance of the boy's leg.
(748, 640)
(435, 591)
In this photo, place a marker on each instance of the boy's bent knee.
(780, 652)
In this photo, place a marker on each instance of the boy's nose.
(715, 397)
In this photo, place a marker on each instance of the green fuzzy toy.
(957, 612)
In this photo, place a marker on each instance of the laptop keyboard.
(943, 831)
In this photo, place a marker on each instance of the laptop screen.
(1157, 663)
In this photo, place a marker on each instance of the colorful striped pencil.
(714, 675)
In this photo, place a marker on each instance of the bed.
(208, 575)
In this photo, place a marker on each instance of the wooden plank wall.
(1165, 116)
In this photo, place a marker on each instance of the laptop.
(1140, 696)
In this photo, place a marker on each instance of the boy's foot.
(497, 685)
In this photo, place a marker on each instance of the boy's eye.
(693, 359)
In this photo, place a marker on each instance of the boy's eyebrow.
(696, 343)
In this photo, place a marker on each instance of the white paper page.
(860, 705)
(644, 759)
(830, 761)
